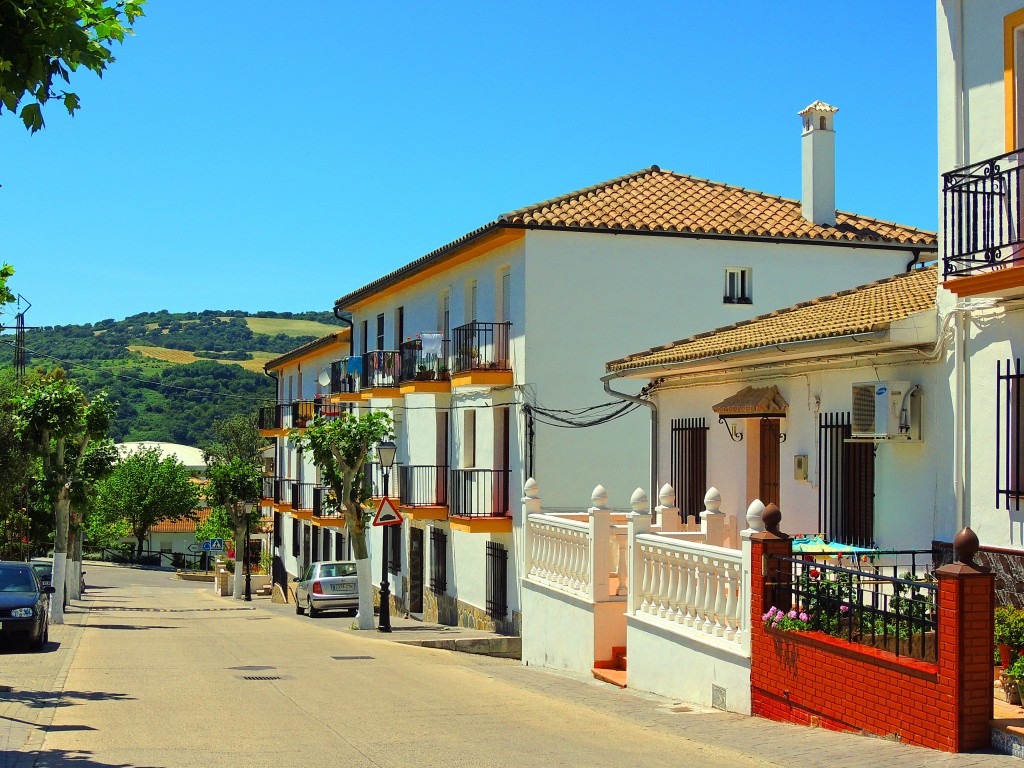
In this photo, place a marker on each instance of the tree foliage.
(6, 273)
(145, 488)
(43, 41)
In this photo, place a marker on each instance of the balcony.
(380, 373)
(478, 500)
(424, 371)
(373, 482)
(282, 492)
(481, 355)
(424, 492)
(326, 510)
(345, 380)
(302, 500)
(267, 492)
(275, 420)
(983, 248)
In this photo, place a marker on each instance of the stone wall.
(449, 611)
(1007, 566)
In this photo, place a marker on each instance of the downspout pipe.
(347, 319)
(654, 432)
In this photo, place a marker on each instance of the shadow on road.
(54, 758)
(40, 699)
(128, 626)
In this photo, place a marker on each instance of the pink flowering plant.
(795, 620)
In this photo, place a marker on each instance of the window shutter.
(506, 296)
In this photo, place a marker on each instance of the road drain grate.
(262, 677)
(252, 668)
(350, 658)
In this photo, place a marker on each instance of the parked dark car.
(24, 605)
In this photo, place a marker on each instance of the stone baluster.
(638, 524)
(668, 512)
(709, 597)
(654, 555)
(691, 591)
(531, 506)
(681, 585)
(731, 584)
(673, 585)
(712, 519)
(698, 596)
(721, 621)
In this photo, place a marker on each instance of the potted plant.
(1009, 634)
(442, 372)
(1012, 679)
(421, 373)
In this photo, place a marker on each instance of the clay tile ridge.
(868, 307)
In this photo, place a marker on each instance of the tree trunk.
(75, 556)
(240, 549)
(62, 513)
(365, 579)
(138, 552)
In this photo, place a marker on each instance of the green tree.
(234, 469)
(59, 423)
(144, 489)
(6, 273)
(46, 40)
(340, 448)
(15, 460)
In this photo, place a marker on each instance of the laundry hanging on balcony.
(430, 343)
(354, 366)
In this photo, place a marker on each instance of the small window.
(469, 439)
(504, 298)
(1009, 435)
(438, 560)
(738, 285)
(444, 322)
(380, 331)
(471, 301)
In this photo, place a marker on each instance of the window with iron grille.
(846, 488)
(394, 532)
(438, 560)
(296, 533)
(689, 465)
(1009, 435)
(497, 580)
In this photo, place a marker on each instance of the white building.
(585, 277)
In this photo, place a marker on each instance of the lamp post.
(386, 456)
(247, 506)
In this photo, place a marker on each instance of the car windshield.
(328, 570)
(17, 580)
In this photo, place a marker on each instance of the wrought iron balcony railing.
(277, 416)
(345, 375)
(324, 504)
(302, 496)
(268, 487)
(982, 215)
(480, 347)
(479, 493)
(373, 480)
(423, 486)
(420, 365)
(282, 490)
(380, 369)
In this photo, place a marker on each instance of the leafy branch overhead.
(43, 41)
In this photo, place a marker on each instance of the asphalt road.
(152, 671)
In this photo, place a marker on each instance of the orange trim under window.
(1010, 24)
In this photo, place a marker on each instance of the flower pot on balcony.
(1006, 655)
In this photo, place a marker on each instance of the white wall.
(558, 630)
(592, 298)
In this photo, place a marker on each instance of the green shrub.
(1009, 628)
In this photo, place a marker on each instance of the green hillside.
(173, 374)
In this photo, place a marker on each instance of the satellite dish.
(324, 378)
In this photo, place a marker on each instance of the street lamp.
(247, 506)
(386, 456)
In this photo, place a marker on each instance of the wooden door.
(415, 570)
(768, 483)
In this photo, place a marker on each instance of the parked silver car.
(327, 586)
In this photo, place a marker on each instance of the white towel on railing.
(430, 343)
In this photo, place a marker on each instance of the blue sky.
(246, 154)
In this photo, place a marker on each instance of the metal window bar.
(423, 486)
(438, 560)
(420, 366)
(478, 493)
(864, 604)
(302, 496)
(271, 417)
(267, 491)
(481, 346)
(373, 480)
(497, 580)
(1009, 435)
(981, 215)
(689, 465)
(282, 490)
(846, 488)
(381, 369)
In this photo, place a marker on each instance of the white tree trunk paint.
(365, 615)
(58, 580)
(60, 550)
(238, 589)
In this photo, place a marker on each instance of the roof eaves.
(309, 346)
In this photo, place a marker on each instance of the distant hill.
(174, 373)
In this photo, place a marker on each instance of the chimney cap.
(818, 106)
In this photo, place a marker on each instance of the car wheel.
(313, 612)
(298, 608)
(38, 643)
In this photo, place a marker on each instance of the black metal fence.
(423, 486)
(302, 412)
(302, 496)
(884, 599)
(1009, 435)
(846, 489)
(267, 491)
(324, 502)
(479, 493)
(497, 580)
(418, 365)
(381, 369)
(373, 480)
(282, 490)
(343, 380)
(438, 560)
(689, 465)
(982, 215)
(481, 346)
(275, 416)
(129, 554)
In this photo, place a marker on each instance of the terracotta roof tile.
(181, 526)
(870, 307)
(656, 200)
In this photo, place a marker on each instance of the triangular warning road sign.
(387, 513)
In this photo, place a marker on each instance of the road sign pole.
(384, 623)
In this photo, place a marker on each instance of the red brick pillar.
(966, 619)
(765, 572)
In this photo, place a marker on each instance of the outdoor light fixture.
(247, 506)
(386, 451)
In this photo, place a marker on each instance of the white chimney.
(818, 147)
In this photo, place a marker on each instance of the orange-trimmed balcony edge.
(1005, 282)
(491, 378)
(482, 524)
(436, 512)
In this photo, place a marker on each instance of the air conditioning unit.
(886, 410)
